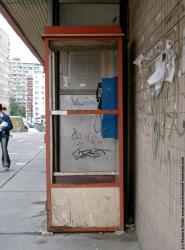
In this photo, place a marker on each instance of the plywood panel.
(85, 207)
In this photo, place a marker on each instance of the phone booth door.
(84, 129)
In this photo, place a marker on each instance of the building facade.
(4, 68)
(21, 81)
(38, 98)
(29, 100)
(17, 78)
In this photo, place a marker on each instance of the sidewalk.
(22, 205)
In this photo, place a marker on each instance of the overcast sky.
(17, 47)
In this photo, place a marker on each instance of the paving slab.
(66, 242)
(22, 205)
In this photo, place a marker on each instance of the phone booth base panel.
(85, 207)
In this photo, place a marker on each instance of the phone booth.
(84, 128)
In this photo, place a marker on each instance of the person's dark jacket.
(6, 130)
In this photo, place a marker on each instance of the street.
(22, 205)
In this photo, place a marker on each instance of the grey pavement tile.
(22, 205)
(65, 242)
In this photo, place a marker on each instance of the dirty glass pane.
(82, 73)
(85, 149)
(78, 102)
(80, 69)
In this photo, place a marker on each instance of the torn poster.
(164, 68)
(66, 82)
(139, 61)
(170, 69)
(170, 63)
(157, 78)
(183, 52)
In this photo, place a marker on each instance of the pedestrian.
(5, 127)
(5, 110)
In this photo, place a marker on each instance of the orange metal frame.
(53, 33)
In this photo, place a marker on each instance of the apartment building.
(27, 87)
(38, 98)
(4, 67)
(18, 72)
(29, 101)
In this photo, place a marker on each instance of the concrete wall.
(156, 124)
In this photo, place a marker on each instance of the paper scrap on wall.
(66, 82)
(157, 78)
(164, 68)
(139, 61)
(183, 53)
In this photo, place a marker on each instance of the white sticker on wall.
(183, 53)
(83, 85)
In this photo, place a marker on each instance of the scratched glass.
(81, 74)
(84, 150)
(87, 150)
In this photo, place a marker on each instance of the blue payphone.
(109, 128)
